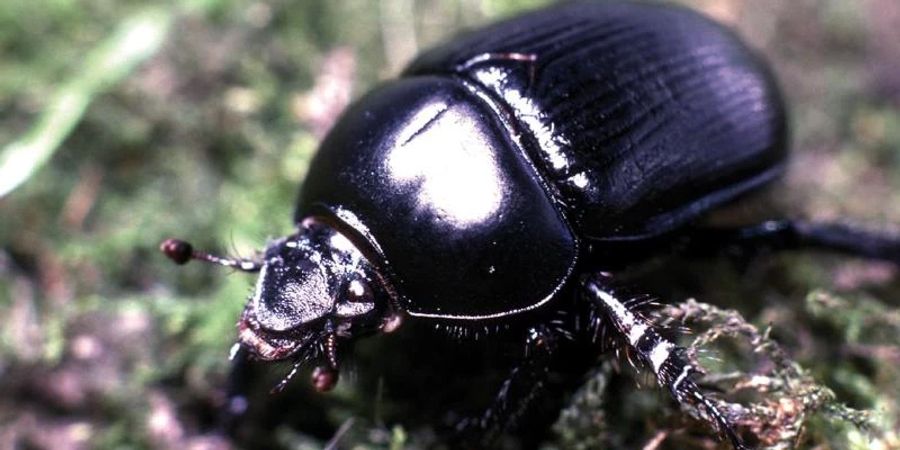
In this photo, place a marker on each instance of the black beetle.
(506, 173)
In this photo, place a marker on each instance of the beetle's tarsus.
(686, 391)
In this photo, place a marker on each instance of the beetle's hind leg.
(673, 370)
(794, 234)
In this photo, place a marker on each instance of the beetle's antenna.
(182, 252)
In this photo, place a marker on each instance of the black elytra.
(630, 121)
(515, 162)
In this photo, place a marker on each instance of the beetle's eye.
(358, 291)
(358, 299)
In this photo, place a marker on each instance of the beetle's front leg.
(671, 367)
(236, 401)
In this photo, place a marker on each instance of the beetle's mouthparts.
(271, 346)
(266, 345)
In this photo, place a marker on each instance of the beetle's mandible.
(509, 172)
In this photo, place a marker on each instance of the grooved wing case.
(641, 116)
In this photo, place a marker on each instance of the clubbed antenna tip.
(177, 250)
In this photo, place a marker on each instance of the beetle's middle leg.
(673, 370)
(522, 385)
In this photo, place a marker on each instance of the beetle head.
(314, 289)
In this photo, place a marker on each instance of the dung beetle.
(503, 178)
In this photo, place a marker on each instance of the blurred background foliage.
(125, 122)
